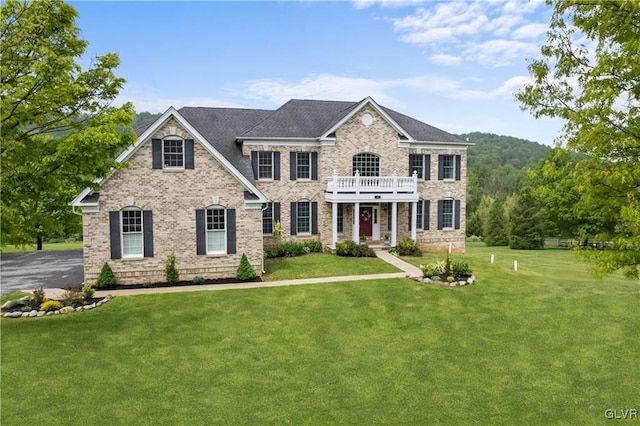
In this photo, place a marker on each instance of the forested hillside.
(497, 170)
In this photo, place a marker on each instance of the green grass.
(544, 345)
(7, 248)
(317, 265)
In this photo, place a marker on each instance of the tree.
(495, 232)
(59, 130)
(526, 228)
(589, 76)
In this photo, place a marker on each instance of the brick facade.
(174, 196)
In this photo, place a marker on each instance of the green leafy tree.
(588, 76)
(526, 226)
(59, 130)
(106, 277)
(495, 232)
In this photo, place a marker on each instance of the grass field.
(545, 345)
(76, 245)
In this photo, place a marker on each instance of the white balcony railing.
(374, 187)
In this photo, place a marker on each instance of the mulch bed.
(30, 305)
(179, 284)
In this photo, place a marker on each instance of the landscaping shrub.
(408, 247)
(71, 296)
(461, 269)
(245, 270)
(171, 273)
(38, 295)
(197, 279)
(293, 248)
(106, 277)
(346, 248)
(351, 248)
(88, 291)
(50, 305)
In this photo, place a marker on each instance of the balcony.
(371, 189)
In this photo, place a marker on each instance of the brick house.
(211, 183)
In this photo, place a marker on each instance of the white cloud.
(446, 59)
(492, 33)
(334, 87)
(363, 4)
(530, 31)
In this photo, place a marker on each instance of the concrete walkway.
(408, 271)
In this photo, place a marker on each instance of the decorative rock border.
(470, 280)
(62, 311)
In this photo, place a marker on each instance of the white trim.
(434, 145)
(146, 136)
(368, 101)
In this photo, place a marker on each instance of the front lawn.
(317, 265)
(545, 345)
(75, 245)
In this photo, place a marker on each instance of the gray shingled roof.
(311, 119)
(300, 119)
(221, 126)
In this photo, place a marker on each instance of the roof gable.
(245, 181)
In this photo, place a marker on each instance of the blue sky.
(452, 64)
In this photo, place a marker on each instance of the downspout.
(266, 206)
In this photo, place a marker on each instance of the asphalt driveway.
(47, 269)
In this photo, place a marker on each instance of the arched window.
(367, 163)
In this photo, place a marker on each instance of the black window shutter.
(293, 156)
(458, 167)
(114, 235)
(201, 233)
(156, 153)
(440, 212)
(276, 165)
(231, 231)
(425, 214)
(314, 166)
(427, 167)
(410, 211)
(314, 218)
(254, 164)
(188, 154)
(440, 167)
(294, 218)
(456, 217)
(147, 232)
(276, 212)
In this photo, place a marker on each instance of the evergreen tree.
(526, 225)
(495, 232)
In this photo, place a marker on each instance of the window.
(303, 165)
(340, 218)
(447, 166)
(416, 163)
(419, 216)
(304, 217)
(216, 235)
(173, 153)
(132, 237)
(265, 165)
(447, 213)
(267, 220)
(368, 164)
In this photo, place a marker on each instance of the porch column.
(355, 234)
(394, 224)
(334, 225)
(414, 221)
